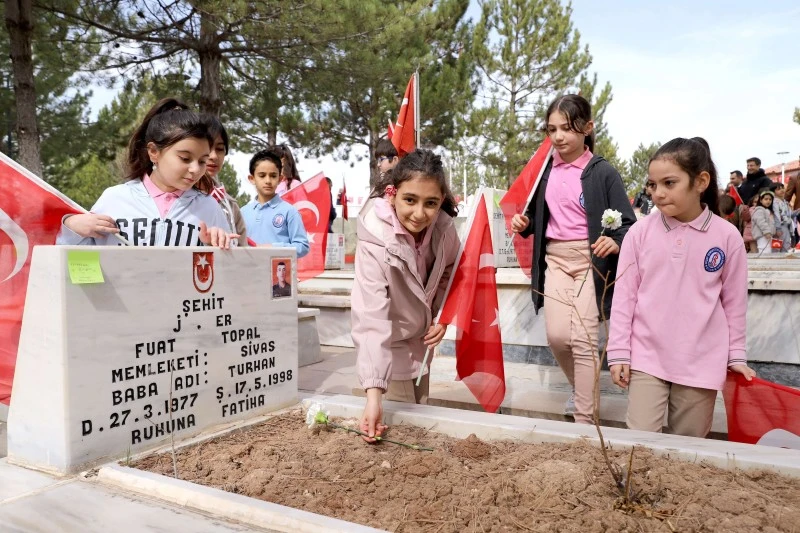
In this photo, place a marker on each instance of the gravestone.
(334, 254)
(504, 255)
(172, 342)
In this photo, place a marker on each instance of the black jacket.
(602, 189)
(752, 184)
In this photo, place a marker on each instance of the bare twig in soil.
(520, 525)
(628, 480)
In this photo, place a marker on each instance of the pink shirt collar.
(580, 163)
(154, 191)
(701, 223)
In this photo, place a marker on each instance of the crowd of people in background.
(765, 212)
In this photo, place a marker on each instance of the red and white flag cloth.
(519, 195)
(390, 131)
(403, 135)
(343, 199)
(312, 198)
(218, 193)
(471, 306)
(762, 412)
(733, 193)
(30, 215)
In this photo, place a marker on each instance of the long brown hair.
(419, 163)
(693, 156)
(578, 112)
(168, 122)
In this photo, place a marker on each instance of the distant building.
(791, 170)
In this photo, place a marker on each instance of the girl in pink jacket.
(407, 247)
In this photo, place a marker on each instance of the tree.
(604, 143)
(526, 52)
(20, 23)
(797, 115)
(637, 168)
(60, 107)
(227, 176)
(369, 78)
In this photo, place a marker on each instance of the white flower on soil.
(316, 415)
(612, 219)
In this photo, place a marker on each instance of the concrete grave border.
(454, 422)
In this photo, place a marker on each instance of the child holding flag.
(572, 252)
(671, 351)
(407, 247)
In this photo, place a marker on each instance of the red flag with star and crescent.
(762, 412)
(30, 215)
(471, 306)
(519, 195)
(403, 135)
(312, 199)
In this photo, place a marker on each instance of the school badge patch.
(582, 201)
(203, 270)
(278, 221)
(715, 258)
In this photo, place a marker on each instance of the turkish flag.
(30, 215)
(312, 199)
(733, 193)
(519, 195)
(343, 199)
(762, 412)
(471, 306)
(403, 136)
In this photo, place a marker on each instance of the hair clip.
(390, 190)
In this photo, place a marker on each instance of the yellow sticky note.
(84, 267)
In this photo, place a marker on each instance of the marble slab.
(334, 254)
(175, 340)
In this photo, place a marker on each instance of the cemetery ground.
(472, 485)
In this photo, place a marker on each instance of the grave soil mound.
(471, 485)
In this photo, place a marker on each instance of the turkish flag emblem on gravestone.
(203, 271)
(30, 215)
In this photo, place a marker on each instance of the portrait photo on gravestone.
(282, 277)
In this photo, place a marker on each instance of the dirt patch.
(470, 485)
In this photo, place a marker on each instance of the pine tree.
(635, 175)
(527, 51)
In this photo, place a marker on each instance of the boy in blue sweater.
(270, 220)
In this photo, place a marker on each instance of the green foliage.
(526, 51)
(636, 171)
(227, 176)
(87, 181)
(797, 115)
(604, 143)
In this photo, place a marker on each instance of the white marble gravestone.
(504, 255)
(334, 254)
(175, 340)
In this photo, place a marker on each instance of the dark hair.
(578, 111)
(419, 162)
(281, 263)
(738, 173)
(216, 129)
(289, 168)
(693, 156)
(765, 192)
(268, 154)
(385, 148)
(753, 201)
(727, 205)
(779, 185)
(755, 160)
(168, 122)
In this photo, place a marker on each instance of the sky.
(728, 71)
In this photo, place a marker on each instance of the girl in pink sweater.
(678, 315)
(407, 247)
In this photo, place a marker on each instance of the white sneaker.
(569, 407)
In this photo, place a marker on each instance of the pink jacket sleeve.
(626, 289)
(372, 328)
(734, 301)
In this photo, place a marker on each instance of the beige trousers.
(407, 390)
(690, 410)
(572, 323)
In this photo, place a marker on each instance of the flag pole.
(416, 108)
(470, 220)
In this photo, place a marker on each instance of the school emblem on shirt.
(278, 221)
(582, 201)
(715, 258)
(203, 270)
